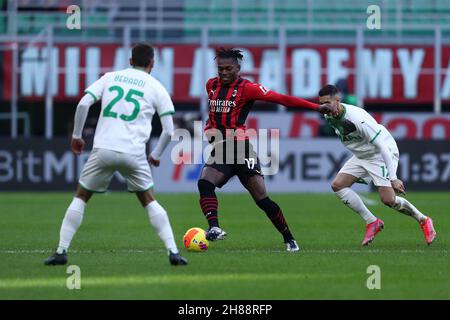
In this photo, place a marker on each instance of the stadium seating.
(33, 23)
(2, 17)
(244, 15)
(347, 13)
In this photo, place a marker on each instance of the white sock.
(160, 221)
(351, 199)
(404, 206)
(71, 223)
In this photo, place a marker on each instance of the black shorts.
(240, 160)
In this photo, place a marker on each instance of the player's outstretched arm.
(164, 140)
(77, 143)
(259, 92)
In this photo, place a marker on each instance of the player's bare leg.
(341, 187)
(160, 221)
(255, 185)
(389, 198)
(209, 179)
(71, 222)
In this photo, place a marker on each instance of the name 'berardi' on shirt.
(221, 105)
(129, 80)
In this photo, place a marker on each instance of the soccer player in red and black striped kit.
(230, 100)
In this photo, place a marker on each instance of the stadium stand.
(242, 15)
(2, 17)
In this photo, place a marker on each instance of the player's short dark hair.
(142, 54)
(330, 90)
(231, 53)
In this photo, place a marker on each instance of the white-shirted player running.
(375, 158)
(130, 98)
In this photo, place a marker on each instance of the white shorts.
(103, 163)
(367, 170)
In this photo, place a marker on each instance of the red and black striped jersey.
(230, 104)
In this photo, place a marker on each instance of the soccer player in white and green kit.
(130, 98)
(375, 158)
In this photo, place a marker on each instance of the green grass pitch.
(120, 256)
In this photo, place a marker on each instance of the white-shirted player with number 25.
(375, 158)
(130, 98)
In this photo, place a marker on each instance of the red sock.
(209, 208)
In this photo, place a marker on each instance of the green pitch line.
(120, 257)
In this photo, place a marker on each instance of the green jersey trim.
(167, 113)
(376, 136)
(93, 95)
(343, 114)
(90, 190)
(134, 191)
(362, 181)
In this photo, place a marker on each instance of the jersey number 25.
(129, 98)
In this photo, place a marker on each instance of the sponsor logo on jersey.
(221, 105)
(350, 137)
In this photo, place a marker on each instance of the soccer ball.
(195, 240)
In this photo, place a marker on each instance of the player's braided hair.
(231, 53)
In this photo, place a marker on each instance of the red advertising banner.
(394, 74)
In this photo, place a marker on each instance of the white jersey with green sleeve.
(357, 130)
(130, 98)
